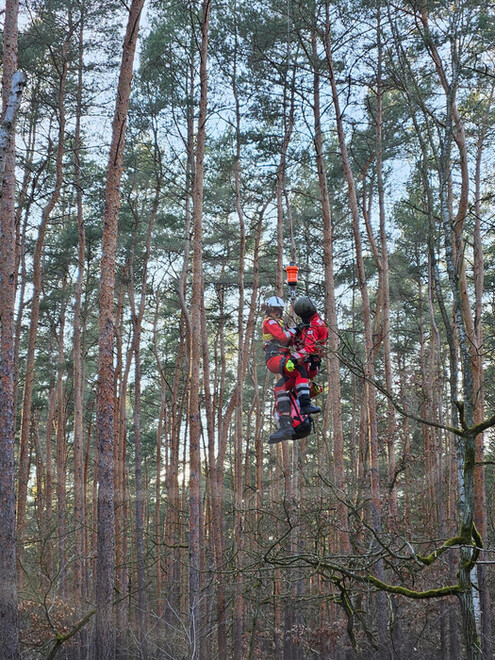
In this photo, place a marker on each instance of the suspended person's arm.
(312, 340)
(273, 331)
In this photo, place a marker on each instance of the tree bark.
(385, 278)
(121, 502)
(480, 515)
(137, 319)
(196, 306)
(80, 567)
(330, 310)
(61, 458)
(23, 475)
(9, 626)
(104, 625)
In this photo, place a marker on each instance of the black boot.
(285, 431)
(306, 407)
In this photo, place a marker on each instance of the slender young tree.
(330, 304)
(123, 361)
(80, 566)
(196, 315)
(384, 270)
(480, 491)
(137, 312)
(61, 455)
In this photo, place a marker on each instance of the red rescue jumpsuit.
(276, 343)
(309, 346)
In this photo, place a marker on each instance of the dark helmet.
(304, 307)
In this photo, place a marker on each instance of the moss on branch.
(410, 593)
(429, 559)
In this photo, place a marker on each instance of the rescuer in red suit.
(312, 337)
(277, 342)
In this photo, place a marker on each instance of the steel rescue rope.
(291, 269)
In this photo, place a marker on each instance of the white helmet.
(275, 301)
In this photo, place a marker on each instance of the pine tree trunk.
(195, 359)
(61, 457)
(48, 513)
(173, 527)
(104, 621)
(334, 390)
(78, 372)
(384, 280)
(138, 461)
(23, 475)
(172, 524)
(9, 626)
(480, 492)
(25, 203)
(121, 378)
(238, 435)
(137, 317)
(161, 431)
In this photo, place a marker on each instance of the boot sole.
(275, 442)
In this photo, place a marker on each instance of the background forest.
(152, 519)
